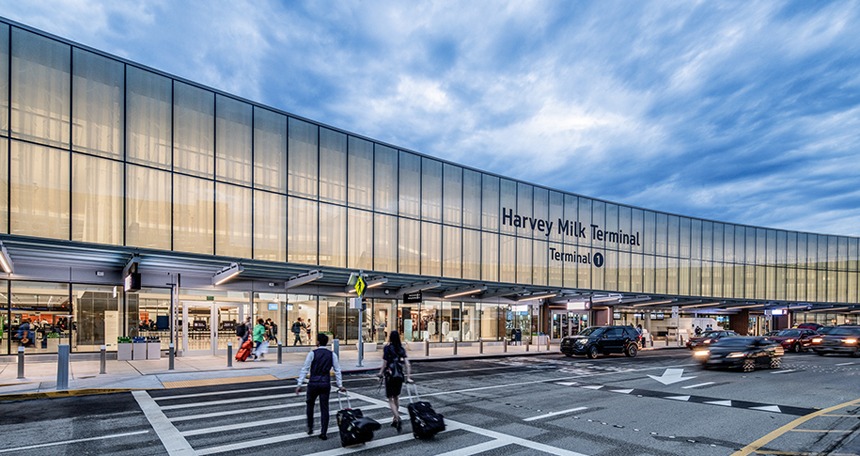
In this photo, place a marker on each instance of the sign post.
(360, 286)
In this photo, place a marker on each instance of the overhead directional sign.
(671, 376)
(360, 286)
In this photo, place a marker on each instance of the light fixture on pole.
(463, 291)
(5, 260)
(227, 273)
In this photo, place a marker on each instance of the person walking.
(320, 363)
(259, 332)
(297, 329)
(395, 370)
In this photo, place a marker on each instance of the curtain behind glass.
(385, 179)
(4, 186)
(359, 239)
(148, 208)
(149, 107)
(193, 215)
(385, 243)
(332, 240)
(194, 135)
(98, 92)
(270, 226)
(452, 193)
(303, 158)
(270, 151)
(39, 199)
(410, 185)
(302, 231)
(431, 190)
(233, 140)
(97, 193)
(232, 221)
(41, 92)
(4, 79)
(333, 169)
(360, 173)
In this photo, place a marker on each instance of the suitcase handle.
(415, 389)
(339, 404)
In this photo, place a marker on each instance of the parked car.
(812, 326)
(708, 337)
(839, 339)
(745, 353)
(795, 339)
(602, 340)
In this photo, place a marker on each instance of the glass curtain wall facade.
(98, 150)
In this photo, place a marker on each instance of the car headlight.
(816, 340)
(707, 341)
(735, 355)
(701, 353)
(850, 341)
(788, 341)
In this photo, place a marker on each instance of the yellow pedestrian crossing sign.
(360, 285)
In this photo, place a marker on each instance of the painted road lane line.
(697, 385)
(170, 437)
(784, 371)
(845, 364)
(547, 415)
(70, 442)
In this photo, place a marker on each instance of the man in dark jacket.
(319, 363)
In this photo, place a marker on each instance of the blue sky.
(738, 111)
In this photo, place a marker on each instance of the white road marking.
(567, 383)
(593, 387)
(623, 391)
(217, 393)
(245, 424)
(476, 449)
(679, 398)
(697, 385)
(170, 437)
(784, 371)
(202, 416)
(221, 402)
(768, 408)
(844, 364)
(723, 403)
(367, 446)
(244, 445)
(547, 415)
(69, 442)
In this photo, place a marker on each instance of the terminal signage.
(569, 228)
(412, 298)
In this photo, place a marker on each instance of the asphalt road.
(660, 403)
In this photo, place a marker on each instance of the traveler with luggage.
(259, 332)
(395, 370)
(319, 363)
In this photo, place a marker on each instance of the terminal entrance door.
(205, 328)
(565, 323)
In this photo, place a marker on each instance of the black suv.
(839, 339)
(602, 340)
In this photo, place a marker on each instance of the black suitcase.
(425, 421)
(354, 427)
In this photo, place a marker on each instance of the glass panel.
(270, 226)
(556, 216)
(684, 241)
(385, 179)
(4, 188)
(39, 197)
(147, 208)
(333, 171)
(302, 319)
(674, 236)
(431, 190)
(453, 194)
(97, 193)
(270, 150)
(525, 207)
(409, 246)
(431, 249)
(610, 271)
(385, 243)
(303, 158)
(360, 239)
(490, 257)
(555, 267)
(98, 95)
(636, 273)
(471, 322)
(97, 317)
(585, 220)
(453, 257)
(149, 131)
(233, 220)
(662, 234)
(360, 173)
(540, 272)
(410, 185)
(4, 81)
(384, 318)
(302, 231)
(707, 240)
(40, 316)
(507, 259)
(41, 92)
(472, 254)
(193, 215)
(451, 323)
(471, 199)
(490, 203)
(332, 235)
(233, 140)
(524, 261)
(332, 317)
(194, 130)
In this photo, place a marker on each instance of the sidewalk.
(40, 377)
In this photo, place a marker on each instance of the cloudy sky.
(739, 111)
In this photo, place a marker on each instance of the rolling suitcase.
(244, 350)
(425, 421)
(354, 427)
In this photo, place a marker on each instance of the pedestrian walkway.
(40, 372)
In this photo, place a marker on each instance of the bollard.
(528, 342)
(21, 362)
(171, 354)
(335, 347)
(426, 348)
(102, 360)
(481, 346)
(229, 354)
(667, 341)
(63, 368)
(455, 347)
(548, 348)
(280, 353)
(505, 344)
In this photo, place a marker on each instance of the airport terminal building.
(135, 203)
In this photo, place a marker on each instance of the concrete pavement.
(40, 371)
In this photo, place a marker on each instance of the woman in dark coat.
(395, 370)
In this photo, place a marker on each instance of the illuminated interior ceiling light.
(596, 299)
(462, 291)
(830, 309)
(535, 296)
(420, 286)
(653, 303)
(227, 273)
(369, 283)
(302, 279)
(5, 260)
(707, 304)
(745, 307)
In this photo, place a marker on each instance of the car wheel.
(775, 362)
(819, 353)
(569, 355)
(592, 352)
(749, 365)
(631, 350)
(796, 348)
(857, 353)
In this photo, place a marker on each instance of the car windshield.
(789, 333)
(734, 342)
(826, 329)
(592, 332)
(845, 331)
(711, 334)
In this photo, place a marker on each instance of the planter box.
(53, 344)
(138, 351)
(368, 346)
(123, 351)
(153, 350)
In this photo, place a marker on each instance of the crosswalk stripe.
(476, 449)
(203, 416)
(221, 402)
(245, 445)
(221, 393)
(367, 446)
(256, 424)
